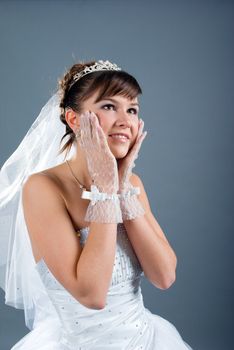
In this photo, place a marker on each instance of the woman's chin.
(119, 151)
(119, 154)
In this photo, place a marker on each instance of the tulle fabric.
(37, 151)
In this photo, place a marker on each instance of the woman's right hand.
(101, 163)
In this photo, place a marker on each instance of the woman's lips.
(116, 138)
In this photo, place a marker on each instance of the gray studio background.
(181, 52)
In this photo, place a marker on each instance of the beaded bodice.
(124, 294)
(126, 264)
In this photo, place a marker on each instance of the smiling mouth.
(119, 138)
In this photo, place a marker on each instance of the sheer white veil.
(37, 151)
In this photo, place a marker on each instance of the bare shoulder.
(50, 229)
(45, 181)
(48, 180)
(37, 180)
(43, 207)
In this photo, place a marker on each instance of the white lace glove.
(102, 165)
(129, 203)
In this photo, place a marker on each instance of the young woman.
(91, 232)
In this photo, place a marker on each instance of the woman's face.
(116, 114)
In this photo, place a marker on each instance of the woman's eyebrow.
(111, 99)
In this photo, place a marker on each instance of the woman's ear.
(72, 119)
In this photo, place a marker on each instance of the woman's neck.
(79, 167)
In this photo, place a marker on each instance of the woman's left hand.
(126, 164)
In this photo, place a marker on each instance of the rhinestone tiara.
(97, 66)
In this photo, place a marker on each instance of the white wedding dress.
(124, 323)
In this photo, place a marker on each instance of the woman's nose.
(124, 118)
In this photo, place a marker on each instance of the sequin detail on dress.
(123, 324)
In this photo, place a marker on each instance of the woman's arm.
(156, 256)
(84, 271)
(96, 262)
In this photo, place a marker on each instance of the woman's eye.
(134, 110)
(111, 105)
(108, 105)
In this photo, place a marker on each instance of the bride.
(78, 232)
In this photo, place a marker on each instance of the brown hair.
(109, 83)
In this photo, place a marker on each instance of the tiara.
(97, 66)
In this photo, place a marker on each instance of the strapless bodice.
(124, 299)
(62, 323)
(126, 265)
